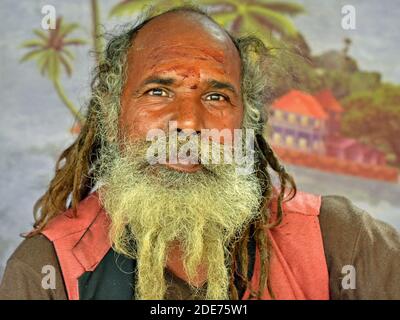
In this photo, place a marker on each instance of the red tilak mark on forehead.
(189, 72)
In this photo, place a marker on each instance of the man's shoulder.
(35, 251)
(26, 268)
(352, 237)
(344, 225)
(339, 212)
(303, 203)
(342, 219)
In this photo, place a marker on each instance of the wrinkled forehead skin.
(186, 44)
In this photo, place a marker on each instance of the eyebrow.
(159, 80)
(215, 84)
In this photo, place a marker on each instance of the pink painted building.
(311, 124)
(297, 121)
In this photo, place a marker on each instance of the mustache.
(165, 149)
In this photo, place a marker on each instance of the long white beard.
(204, 211)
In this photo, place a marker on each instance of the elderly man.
(115, 225)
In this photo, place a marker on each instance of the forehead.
(174, 42)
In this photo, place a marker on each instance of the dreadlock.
(74, 180)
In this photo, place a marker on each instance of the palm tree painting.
(50, 51)
(256, 16)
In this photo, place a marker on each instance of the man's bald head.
(187, 25)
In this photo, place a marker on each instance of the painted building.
(303, 122)
(297, 121)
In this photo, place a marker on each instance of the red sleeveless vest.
(298, 268)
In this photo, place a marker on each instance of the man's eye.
(158, 92)
(216, 97)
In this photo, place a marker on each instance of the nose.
(189, 116)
